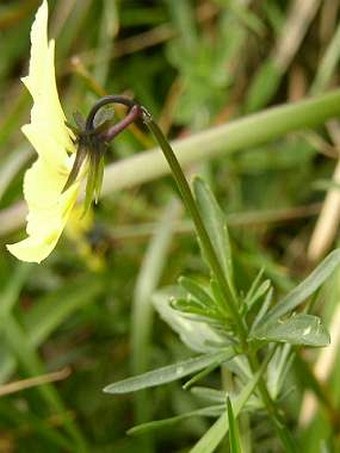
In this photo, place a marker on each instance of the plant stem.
(240, 134)
(191, 206)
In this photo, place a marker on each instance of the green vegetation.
(206, 312)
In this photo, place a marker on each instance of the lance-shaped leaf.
(305, 289)
(168, 373)
(215, 223)
(301, 329)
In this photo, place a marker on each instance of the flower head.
(48, 207)
(66, 154)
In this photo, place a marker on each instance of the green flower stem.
(191, 206)
(244, 133)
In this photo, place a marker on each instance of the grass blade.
(234, 437)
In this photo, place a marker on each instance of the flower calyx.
(92, 137)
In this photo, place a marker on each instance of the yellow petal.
(47, 117)
(48, 211)
(32, 249)
(48, 208)
(48, 149)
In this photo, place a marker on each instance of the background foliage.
(84, 318)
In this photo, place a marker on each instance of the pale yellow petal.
(48, 207)
(48, 149)
(48, 211)
(32, 249)
(47, 117)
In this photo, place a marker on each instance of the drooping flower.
(66, 154)
(49, 205)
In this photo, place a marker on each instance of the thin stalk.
(191, 206)
(240, 134)
(132, 116)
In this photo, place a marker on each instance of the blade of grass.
(234, 437)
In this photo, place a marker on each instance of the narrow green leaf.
(255, 284)
(99, 179)
(79, 161)
(192, 287)
(263, 309)
(169, 373)
(278, 369)
(259, 292)
(305, 289)
(219, 300)
(208, 394)
(200, 375)
(211, 411)
(194, 308)
(215, 223)
(234, 436)
(302, 329)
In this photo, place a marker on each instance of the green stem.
(239, 134)
(208, 248)
(191, 206)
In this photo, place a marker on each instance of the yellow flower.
(49, 205)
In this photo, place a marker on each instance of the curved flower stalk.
(48, 207)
